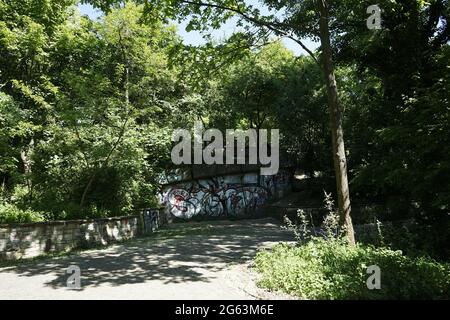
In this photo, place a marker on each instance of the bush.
(411, 237)
(324, 269)
(323, 266)
(9, 213)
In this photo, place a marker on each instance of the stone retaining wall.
(34, 239)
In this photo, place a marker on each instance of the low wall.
(29, 240)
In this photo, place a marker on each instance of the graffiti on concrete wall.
(225, 196)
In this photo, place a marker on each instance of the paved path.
(185, 261)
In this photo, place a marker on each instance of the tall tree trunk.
(337, 133)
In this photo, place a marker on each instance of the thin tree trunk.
(25, 157)
(3, 187)
(337, 133)
(88, 187)
(116, 144)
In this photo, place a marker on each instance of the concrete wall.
(34, 239)
(231, 195)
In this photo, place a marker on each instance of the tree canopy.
(87, 107)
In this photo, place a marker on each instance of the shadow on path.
(176, 256)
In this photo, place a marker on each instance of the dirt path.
(185, 261)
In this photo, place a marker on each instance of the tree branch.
(270, 26)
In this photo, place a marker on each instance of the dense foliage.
(323, 266)
(87, 107)
(332, 270)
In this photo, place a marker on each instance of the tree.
(26, 30)
(120, 93)
(270, 88)
(336, 123)
(395, 66)
(250, 89)
(300, 19)
(86, 109)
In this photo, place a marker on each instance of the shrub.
(411, 237)
(10, 213)
(323, 269)
(323, 266)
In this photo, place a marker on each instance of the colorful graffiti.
(222, 196)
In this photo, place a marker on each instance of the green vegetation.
(12, 214)
(80, 102)
(324, 269)
(323, 266)
(87, 107)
